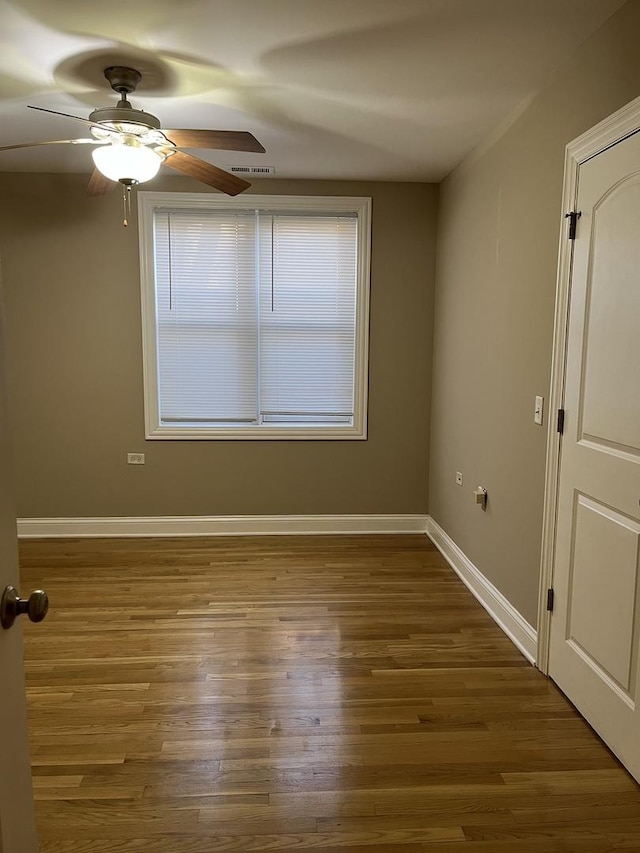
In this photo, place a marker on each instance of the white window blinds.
(256, 317)
(206, 317)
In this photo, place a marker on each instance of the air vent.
(252, 170)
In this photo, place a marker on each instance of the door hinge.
(550, 599)
(561, 421)
(573, 217)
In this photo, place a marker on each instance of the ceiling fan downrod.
(123, 81)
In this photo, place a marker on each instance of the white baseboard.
(497, 606)
(224, 525)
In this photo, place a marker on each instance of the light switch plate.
(538, 412)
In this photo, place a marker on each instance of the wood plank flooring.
(298, 694)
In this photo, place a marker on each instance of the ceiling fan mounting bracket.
(122, 79)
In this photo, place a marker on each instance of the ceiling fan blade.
(99, 185)
(52, 142)
(205, 172)
(226, 140)
(58, 113)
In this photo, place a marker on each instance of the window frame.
(148, 203)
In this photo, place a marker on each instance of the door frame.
(618, 126)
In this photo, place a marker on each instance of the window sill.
(167, 433)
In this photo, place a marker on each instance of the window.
(255, 316)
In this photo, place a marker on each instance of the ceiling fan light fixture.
(127, 161)
(132, 144)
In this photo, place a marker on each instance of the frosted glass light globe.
(127, 161)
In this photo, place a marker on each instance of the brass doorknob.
(12, 606)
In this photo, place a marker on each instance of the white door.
(595, 627)
(17, 824)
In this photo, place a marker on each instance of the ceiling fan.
(131, 145)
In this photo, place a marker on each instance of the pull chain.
(126, 204)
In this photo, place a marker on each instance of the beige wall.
(497, 252)
(71, 280)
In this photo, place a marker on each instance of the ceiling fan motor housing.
(123, 113)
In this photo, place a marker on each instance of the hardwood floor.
(298, 693)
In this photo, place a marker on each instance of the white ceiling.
(350, 89)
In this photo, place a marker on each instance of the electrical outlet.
(135, 458)
(459, 478)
